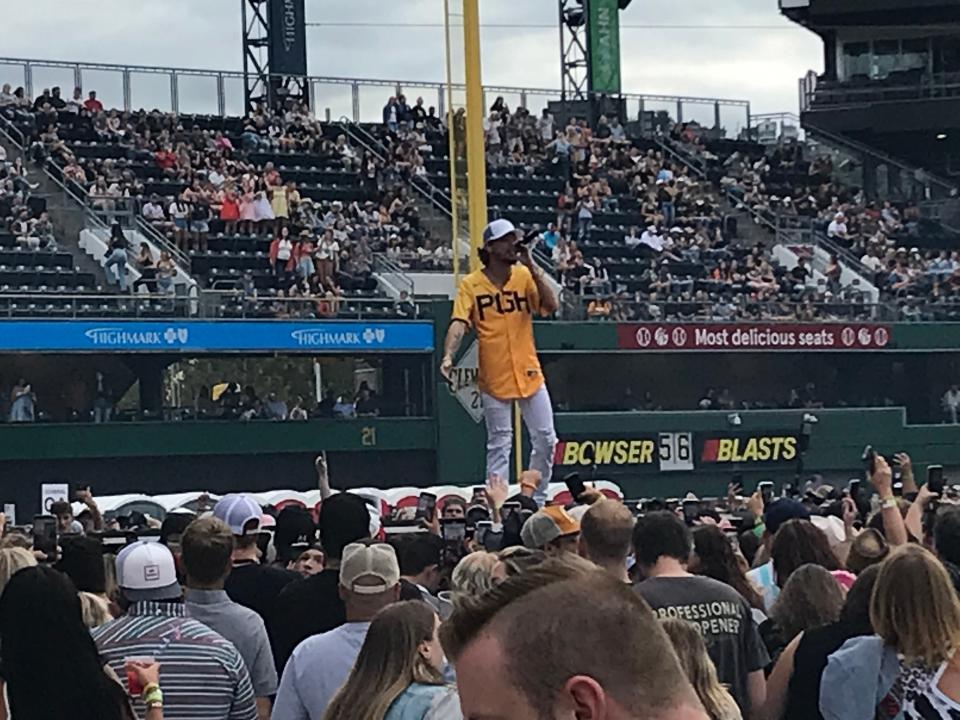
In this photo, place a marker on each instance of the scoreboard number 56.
(675, 451)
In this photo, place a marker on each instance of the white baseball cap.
(377, 561)
(237, 511)
(146, 571)
(498, 229)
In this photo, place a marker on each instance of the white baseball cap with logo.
(498, 229)
(374, 562)
(239, 511)
(146, 571)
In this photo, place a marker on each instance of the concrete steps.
(66, 214)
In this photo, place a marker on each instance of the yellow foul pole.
(452, 151)
(476, 160)
(477, 165)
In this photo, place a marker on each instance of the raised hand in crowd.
(323, 476)
(882, 481)
(914, 517)
(755, 504)
(496, 493)
(529, 482)
(906, 473)
(850, 516)
(85, 496)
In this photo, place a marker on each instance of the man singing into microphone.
(499, 301)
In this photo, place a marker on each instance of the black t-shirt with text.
(723, 618)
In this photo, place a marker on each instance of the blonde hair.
(15, 538)
(388, 663)
(13, 559)
(473, 574)
(95, 610)
(914, 607)
(699, 669)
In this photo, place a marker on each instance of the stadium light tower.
(573, 50)
(590, 50)
(274, 52)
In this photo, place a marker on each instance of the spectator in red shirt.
(166, 159)
(91, 104)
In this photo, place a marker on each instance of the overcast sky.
(760, 65)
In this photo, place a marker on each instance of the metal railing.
(126, 212)
(920, 177)
(799, 229)
(99, 218)
(946, 212)
(437, 197)
(225, 304)
(9, 130)
(219, 101)
(696, 164)
(393, 273)
(927, 86)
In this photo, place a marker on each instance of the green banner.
(603, 29)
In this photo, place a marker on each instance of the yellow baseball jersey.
(503, 319)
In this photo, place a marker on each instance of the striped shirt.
(202, 675)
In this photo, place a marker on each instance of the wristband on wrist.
(759, 529)
(153, 698)
(890, 502)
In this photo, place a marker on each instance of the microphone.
(529, 237)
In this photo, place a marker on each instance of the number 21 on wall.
(675, 451)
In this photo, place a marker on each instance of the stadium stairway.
(785, 243)
(66, 214)
(434, 216)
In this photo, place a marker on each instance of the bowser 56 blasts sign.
(677, 451)
(605, 452)
(753, 449)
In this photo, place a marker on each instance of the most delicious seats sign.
(753, 336)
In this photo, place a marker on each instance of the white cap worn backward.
(498, 229)
(377, 562)
(240, 512)
(146, 571)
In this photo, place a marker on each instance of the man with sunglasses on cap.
(499, 301)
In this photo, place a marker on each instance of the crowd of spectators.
(677, 218)
(227, 186)
(887, 242)
(232, 402)
(675, 255)
(811, 602)
(639, 236)
(229, 402)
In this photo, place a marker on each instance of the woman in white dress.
(263, 211)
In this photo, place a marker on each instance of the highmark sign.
(214, 336)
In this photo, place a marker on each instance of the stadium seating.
(695, 266)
